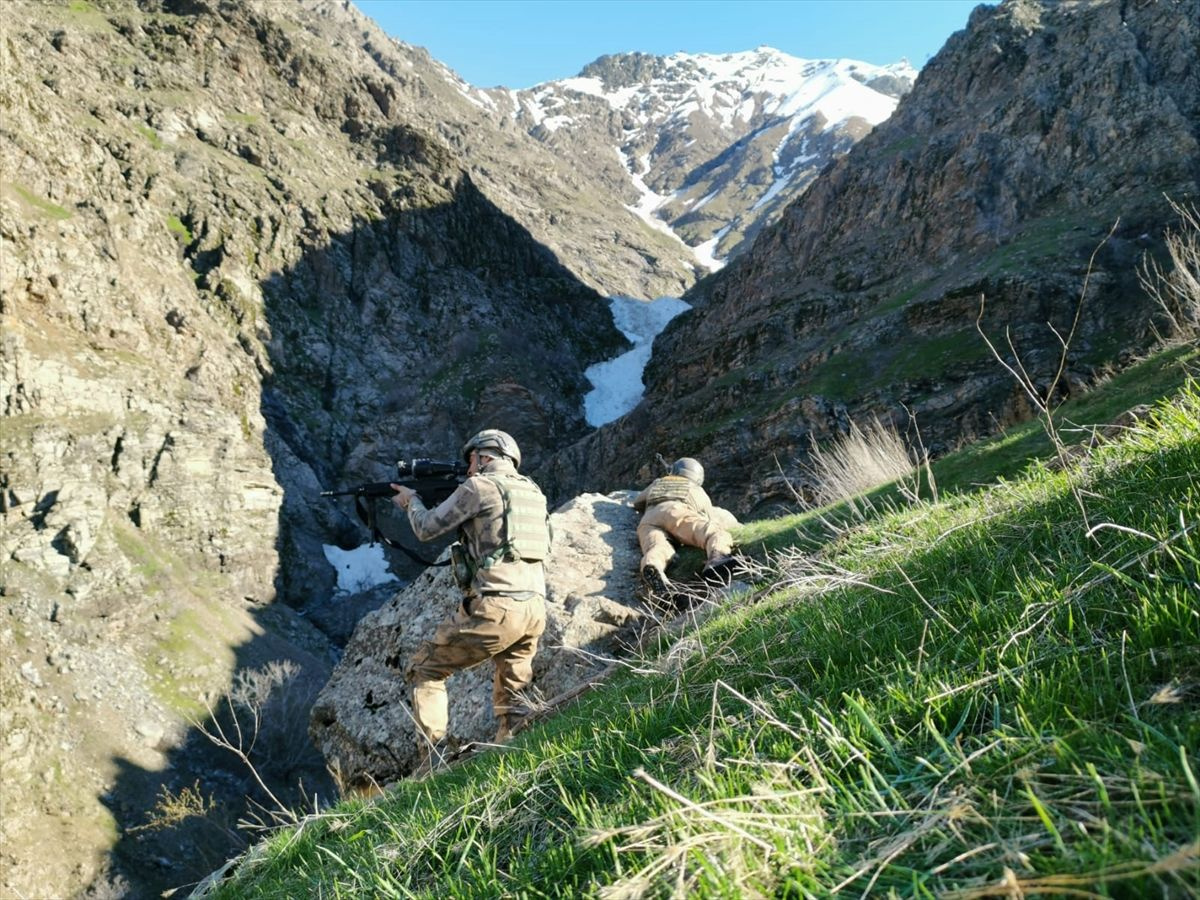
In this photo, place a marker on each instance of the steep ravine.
(231, 278)
(1029, 136)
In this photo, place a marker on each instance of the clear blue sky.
(518, 43)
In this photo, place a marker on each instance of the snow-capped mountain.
(709, 147)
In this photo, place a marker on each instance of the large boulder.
(362, 721)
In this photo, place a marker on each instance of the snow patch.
(705, 253)
(594, 87)
(778, 185)
(703, 201)
(536, 115)
(617, 384)
(553, 123)
(650, 199)
(359, 569)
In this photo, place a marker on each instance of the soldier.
(503, 538)
(676, 508)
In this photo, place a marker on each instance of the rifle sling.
(366, 512)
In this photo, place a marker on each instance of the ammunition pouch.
(462, 567)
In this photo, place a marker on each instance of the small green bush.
(151, 135)
(177, 228)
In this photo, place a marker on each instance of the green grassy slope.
(988, 461)
(992, 694)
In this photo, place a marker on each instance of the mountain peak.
(618, 70)
(712, 145)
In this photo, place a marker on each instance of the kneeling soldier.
(504, 536)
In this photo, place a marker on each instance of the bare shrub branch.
(1044, 405)
(255, 721)
(1177, 291)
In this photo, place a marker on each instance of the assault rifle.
(434, 480)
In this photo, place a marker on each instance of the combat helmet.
(499, 443)
(689, 469)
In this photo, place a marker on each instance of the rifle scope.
(430, 468)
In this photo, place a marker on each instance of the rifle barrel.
(431, 488)
(378, 489)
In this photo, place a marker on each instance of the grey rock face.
(1022, 143)
(238, 267)
(362, 721)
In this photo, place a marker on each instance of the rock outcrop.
(1025, 141)
(362, 722)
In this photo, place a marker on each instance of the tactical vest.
(526, 522)
(670, 487)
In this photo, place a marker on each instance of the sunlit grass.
(979, 697)
(981, 464)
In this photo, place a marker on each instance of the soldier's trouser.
(499, 628)
(671, 519)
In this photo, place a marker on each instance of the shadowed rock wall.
(233, 273)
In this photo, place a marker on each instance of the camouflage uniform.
(677, 508)
(503, 612)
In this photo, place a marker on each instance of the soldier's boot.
(510, 723)
(719, 569)
(656, 582)
(504, 730)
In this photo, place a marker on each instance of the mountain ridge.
(999, 176)
(748, 130)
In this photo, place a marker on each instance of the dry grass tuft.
(1177, 289)
(857, 462)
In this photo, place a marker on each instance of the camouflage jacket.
(476, 509)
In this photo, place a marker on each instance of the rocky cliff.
(1032, 133)
(235, 271)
